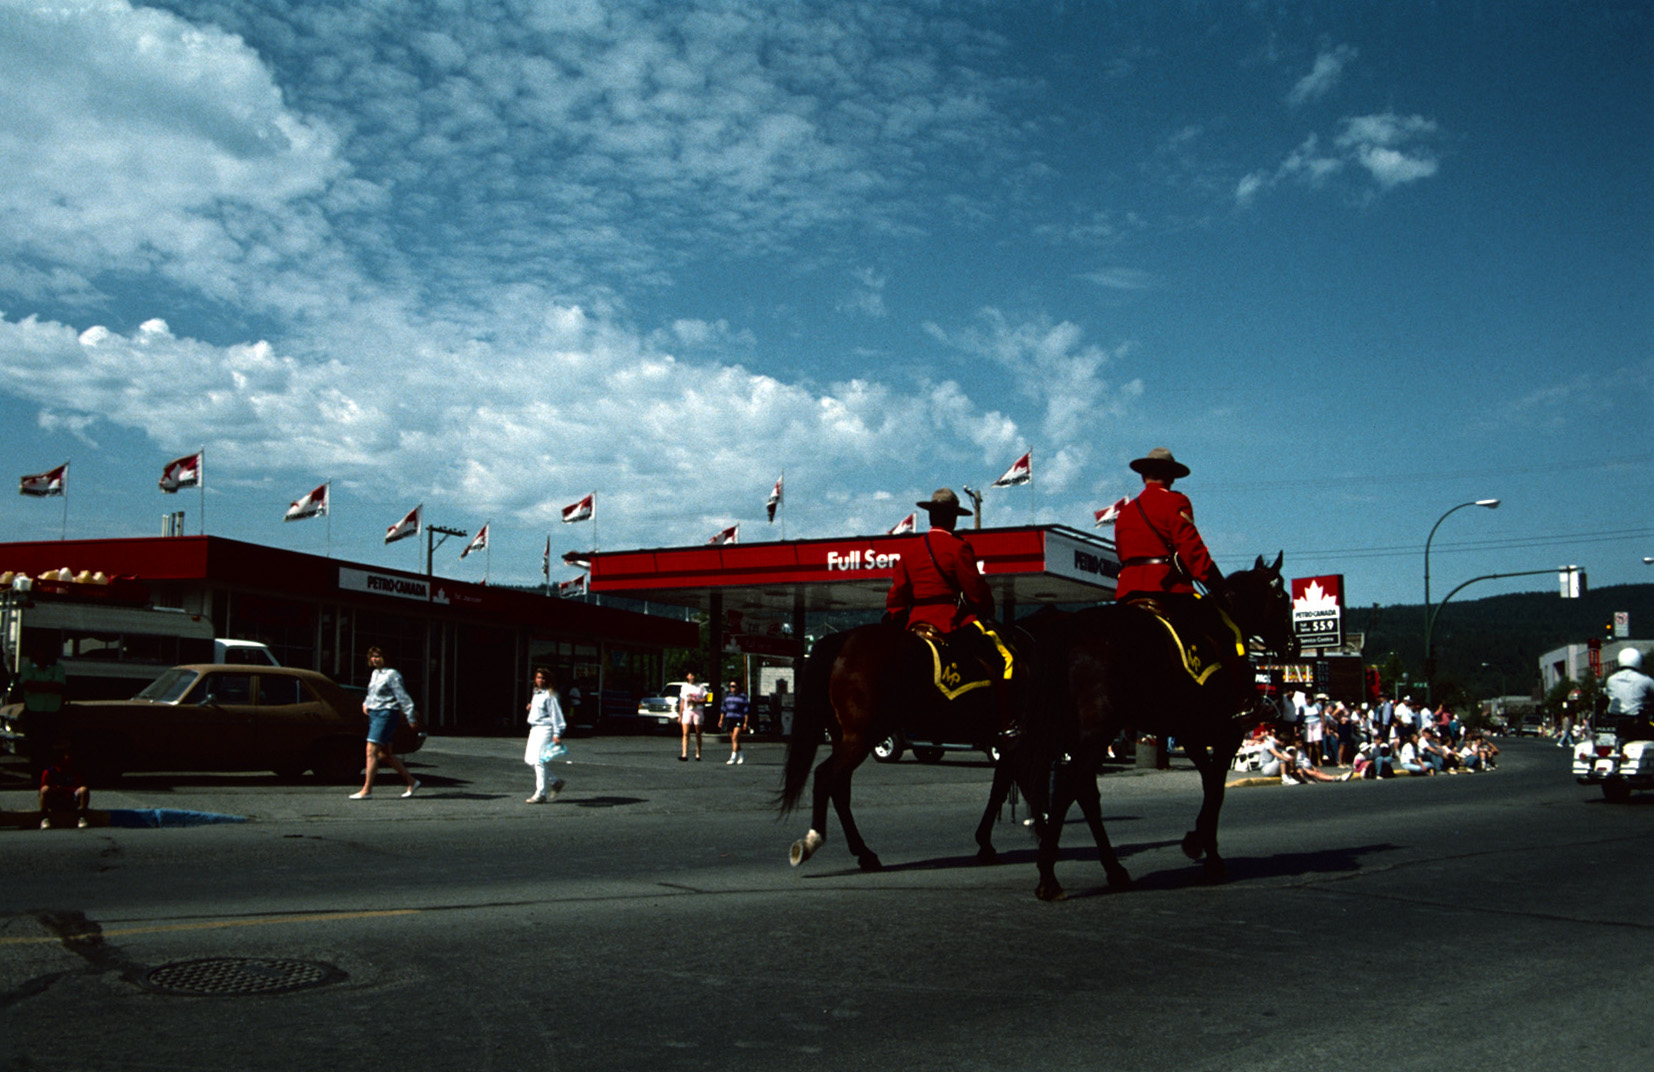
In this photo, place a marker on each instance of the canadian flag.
(576, 587)
(52, 482)
(545, 559)
(408, 526)
(479, 542)
(579, 559)
(182, 472)
(1107, 514)
(1020, 472)
(580, 511)
(906, 524)
(774, 499)
(309, 506)
(729, 535)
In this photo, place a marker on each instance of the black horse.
(858, 687)
(1114, 667)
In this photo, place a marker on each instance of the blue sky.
(1353, 263)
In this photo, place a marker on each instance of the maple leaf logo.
(1315, 598)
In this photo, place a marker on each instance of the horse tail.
(812, 708)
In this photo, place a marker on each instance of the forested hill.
(1509, 632)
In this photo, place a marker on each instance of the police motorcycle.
(1615, 756)
(1618, 765)
(1618, 753)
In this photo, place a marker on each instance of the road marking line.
(326, 917)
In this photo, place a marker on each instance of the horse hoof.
(1216, 872)
(1119, 880)
(986, 855)
(1192, 847)
(1050, 891)
(869, 863)
(804, 848)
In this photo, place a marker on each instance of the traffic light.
(1608, 629)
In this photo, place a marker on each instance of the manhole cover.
(235, 976)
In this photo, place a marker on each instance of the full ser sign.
(1318, 611)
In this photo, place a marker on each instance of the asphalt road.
(648, 920)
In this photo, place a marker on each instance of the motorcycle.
(1616, 757)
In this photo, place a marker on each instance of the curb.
(130, 818)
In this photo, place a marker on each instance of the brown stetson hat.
(1159, 462)
(943, 499)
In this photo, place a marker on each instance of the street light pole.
(1504, 688)
(976, 501)
(1429, 661)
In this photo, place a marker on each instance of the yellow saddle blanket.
(1196, 651)
(957, 666)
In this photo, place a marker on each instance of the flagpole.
(201, 485)
(327, 497)
(63, 533)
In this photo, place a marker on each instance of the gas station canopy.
(756, 587)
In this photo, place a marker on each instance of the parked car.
(242, 652)
(213, 717)
(659, 712)
(1531, 726)
(927, 750)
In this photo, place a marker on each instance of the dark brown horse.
(858, 687)
(1114, 667)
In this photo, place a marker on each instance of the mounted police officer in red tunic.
(1162, 557)
(937, 587)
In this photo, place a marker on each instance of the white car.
(661, 711)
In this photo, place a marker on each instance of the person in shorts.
(691, 708)
(732, 719)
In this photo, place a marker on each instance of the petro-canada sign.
(1318, 611)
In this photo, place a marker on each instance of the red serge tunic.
(1169, 512)
(930, 591)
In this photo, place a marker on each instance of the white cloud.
(1387, 146)
(132, 140)
(866, 296)
(502, 431)
(401, 246)
(1121, 278)
(1324, 76)
(1390, 148)
(1049, 363)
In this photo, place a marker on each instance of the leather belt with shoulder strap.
(1159, 560)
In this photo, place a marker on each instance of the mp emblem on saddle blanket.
(957, 666)
(1196, 660)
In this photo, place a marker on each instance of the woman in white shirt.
(386, 705)
(545, 721)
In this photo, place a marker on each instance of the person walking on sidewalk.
(386, 705)
(732, 719)
(546, 725)
(691, 707)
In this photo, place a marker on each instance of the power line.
(1509, 544)
(1371, 480)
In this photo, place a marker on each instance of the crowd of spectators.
(1372, 740)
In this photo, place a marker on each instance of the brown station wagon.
(214, 717)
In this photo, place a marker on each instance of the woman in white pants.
(545, 720)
